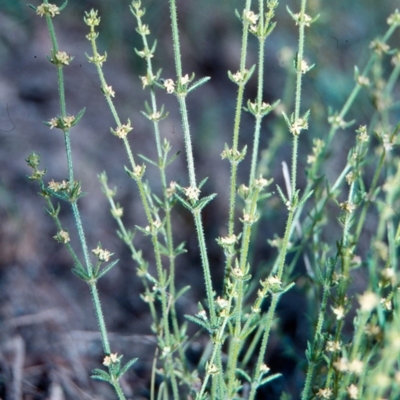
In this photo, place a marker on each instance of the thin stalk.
(260, 86)
(263, 347)
(147, 210)
(236, 342)
(76, 213)
(299, 76)
(316, 345)
(236, 130)
(190, 162)
(289, 223)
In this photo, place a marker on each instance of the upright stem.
(190, 163)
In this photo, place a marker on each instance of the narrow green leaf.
(106, 269)
(282, 196)
(182, 292)
(81, 274)
(184, 202)
(243, 374)
(148, 160)
(173, 158)
(79, 116)
(63, 5)
(269, 379)
(198, 83)
(180, 249)
(200, 322)
(204, 201)
(125, 368)
(101, 375)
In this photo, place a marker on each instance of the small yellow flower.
(91, 18)
(222, 303)
(143, 29)
(202, 314)
(238, 77)
(166, 351)
(123, 130)
(111, 359)
(102, 254)
(169, 85)
(118, 212)
(368, 301)
(394, 19)
(62, 237)
(356, 367)
(304, 67)
(138, 170)
(108, 91)
(333, 346)
(264, 368)
(273, 283)
(389, 274)
(192, 193)
(379, 47)
(339, 312)
(185, 79)
(98, 59)
(298, 125)
(306, 20)
(155, 116)
(362, 133)
(341, 365)
(387, 304)
(49, 9)
(171, 189)
(68, 121)
(363, 80)
(261, 182)
(347, 206)
(251, 17)
(237, 273)
(352, 390)
(145, 81)
(57, 186)
(61, 57)
(350, 177)
(324, 393)
(336, 121)
(53, 123)
(212, 369)
(228, 240)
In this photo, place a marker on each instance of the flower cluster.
(123, 130)
(63, 123)
(62, 237)
(192, 192)
(47, 9)
(103, 255)
(169, 86)
(61, 58)
(111, 359)
(98, 59)
(318, 146)
(91, 18)
(298, 125)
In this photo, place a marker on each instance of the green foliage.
(239, 321)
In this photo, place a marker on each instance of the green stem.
(260, 86)
(263, 347)
(236, 130)
(78, 221)
(316, 345)
(206, 267)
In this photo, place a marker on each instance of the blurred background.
(48, 333)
